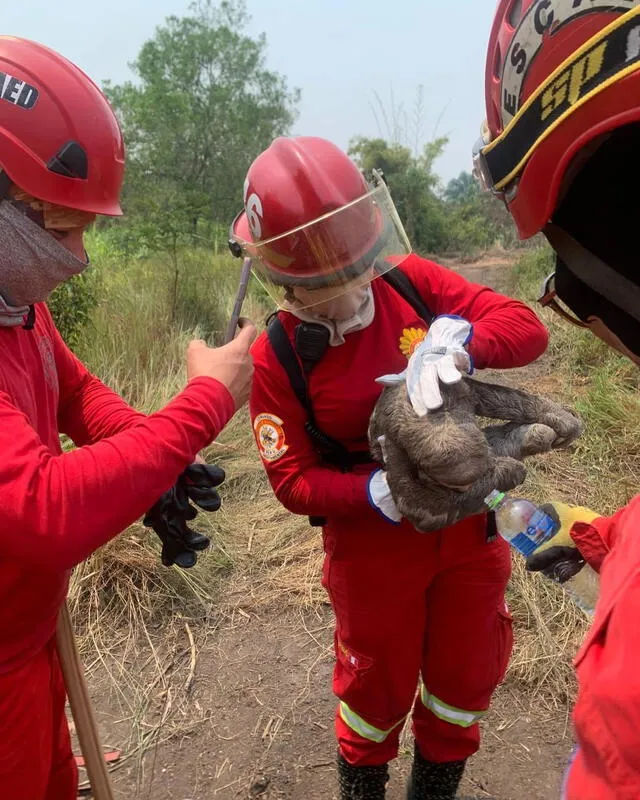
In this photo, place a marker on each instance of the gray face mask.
(32, 262)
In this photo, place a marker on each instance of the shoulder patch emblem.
(410, 339)
(269, 433)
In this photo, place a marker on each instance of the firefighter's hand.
(559, 558)
(231, 364)
(380, 497)
(440, 357)
(169, 517)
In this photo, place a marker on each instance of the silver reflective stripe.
(442, 710)
(362, 728)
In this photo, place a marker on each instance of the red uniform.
(56, 510)
(408, 606)
(607, 712)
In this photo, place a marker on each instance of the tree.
(463, 189)
(203, 107)
(413, 185)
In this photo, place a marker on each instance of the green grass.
(136, 341)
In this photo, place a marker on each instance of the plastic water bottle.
(526, 526)
(521, 522)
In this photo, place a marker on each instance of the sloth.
(441, 466)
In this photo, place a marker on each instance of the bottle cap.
(494, 499)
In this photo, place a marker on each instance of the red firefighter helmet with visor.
(311, 220)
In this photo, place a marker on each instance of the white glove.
(441, 356)
(380, 497)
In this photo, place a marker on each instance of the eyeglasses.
(549, 299)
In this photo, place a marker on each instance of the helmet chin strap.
(594, 272)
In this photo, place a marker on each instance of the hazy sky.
(338, 52)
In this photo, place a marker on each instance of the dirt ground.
(262, 684)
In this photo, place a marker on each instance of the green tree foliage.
(457, 219)
(203, 106)
(413, 184)
(476, 220)
(71, 305)
(463, 189)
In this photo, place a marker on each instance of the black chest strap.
(312, 341)
(402, 284)
(298, 360)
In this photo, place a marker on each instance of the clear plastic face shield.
(335, 255)
(480, 170)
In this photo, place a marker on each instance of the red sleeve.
(506, 332)
(88, 411)
(57, 509)
(607, 712)
(301, 483)
(594, 540)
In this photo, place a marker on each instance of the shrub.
(72, 304)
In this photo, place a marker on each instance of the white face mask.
(32, 262)
(341, 315)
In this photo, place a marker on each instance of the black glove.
(559, 558)
(170, 515)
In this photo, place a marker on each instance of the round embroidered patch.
(270, 437)
(410, 339)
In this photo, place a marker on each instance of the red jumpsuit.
(56, 510)
(607, 712)
(410, 608)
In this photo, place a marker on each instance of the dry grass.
(141, 625)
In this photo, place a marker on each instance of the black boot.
(361, 783)
(432, 781)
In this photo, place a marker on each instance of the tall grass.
(136, 343)
(140, 623)
(601, 472)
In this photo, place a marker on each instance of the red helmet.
(59, 138)
(310, 217)
(558, 74)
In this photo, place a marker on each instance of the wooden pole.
(81, 708)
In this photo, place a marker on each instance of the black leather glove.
(559, 558)
(170, 515)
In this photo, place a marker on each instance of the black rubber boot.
(362, 783)
(432, 781)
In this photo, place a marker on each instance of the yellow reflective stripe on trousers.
(442, 710)
(361, 727)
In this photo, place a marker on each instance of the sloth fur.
(440, 467)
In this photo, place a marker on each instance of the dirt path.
(263, 682)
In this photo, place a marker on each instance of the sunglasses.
(549, 299)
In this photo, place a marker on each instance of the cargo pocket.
(504, 642)
(355, 663)
(352, 667)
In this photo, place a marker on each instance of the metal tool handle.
(240, 296)
(68, 655)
